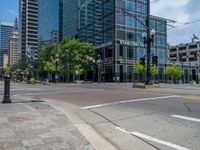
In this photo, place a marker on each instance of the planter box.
(143, 86)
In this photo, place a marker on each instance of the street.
(156, 118)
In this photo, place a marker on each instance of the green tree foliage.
(7, 71)
(142, 68)
(73, 56)
(154, 70)
(139, 67)
(174, 71)
(46, 59)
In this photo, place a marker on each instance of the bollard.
(6, 98)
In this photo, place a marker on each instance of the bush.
(31, 81)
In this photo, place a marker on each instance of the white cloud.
(182, 11)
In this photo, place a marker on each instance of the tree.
(7, 71)
(142, 68)
(73, 57)
(174, 71)
(46, 59)
(139, 67)
(154, 70)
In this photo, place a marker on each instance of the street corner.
(34, 125)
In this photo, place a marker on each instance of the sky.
(9, 10)
(181, 11)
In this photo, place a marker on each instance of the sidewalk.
(37, 126)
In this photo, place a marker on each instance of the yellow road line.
(190, 97)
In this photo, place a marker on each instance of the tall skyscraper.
(28, 27)
(50, 20)
(5, 33)
(116, 28)
(70, 18)
(13, 55)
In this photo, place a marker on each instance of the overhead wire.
(185, 24)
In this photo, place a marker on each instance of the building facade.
(188, 57)
(5, 61)
(6, 30)
(116, 28)
(50, 20)
(70, 18)
(13, 54)
(28, 27)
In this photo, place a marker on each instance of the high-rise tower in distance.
(28, 27)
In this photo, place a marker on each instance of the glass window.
(161, 26)
(130, 36)
(140, 38)
(140, 53)
(130, 6)
(130, 53)
(140, 24)
(161, 56)
(129, 21)
(152, 24)
(160, 40)
(141, 8)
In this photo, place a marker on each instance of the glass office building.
(116, 29)
(70, 17)
(50, 20)
(6, 30)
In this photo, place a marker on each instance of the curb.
(93, 137)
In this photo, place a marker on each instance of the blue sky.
(9, 10)
(182, 12)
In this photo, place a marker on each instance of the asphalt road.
(163, 118)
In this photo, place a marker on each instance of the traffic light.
(155, 60)
(142, 60)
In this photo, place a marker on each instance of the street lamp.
(98, 63)
(148, 40)
(57, 60)
(150, 36)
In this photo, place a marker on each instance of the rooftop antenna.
(194, 38)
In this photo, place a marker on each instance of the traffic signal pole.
(148, 74)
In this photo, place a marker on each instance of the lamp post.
(98, 63)
(57, 60)
(149, 40)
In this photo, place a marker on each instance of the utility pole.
(148, 71)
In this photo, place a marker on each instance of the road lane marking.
(190, 97)
(143, 136)
(159, 141)
(128, 101)
(186, 118)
